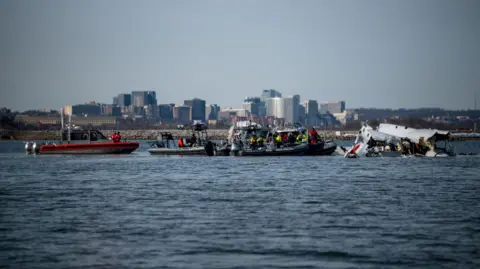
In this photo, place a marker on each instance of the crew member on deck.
(115, 137)
(291, 138)
(278, 140)
(193, 140)
(260, 141)
(253, 142)
(180, 142)
(301, 137)
(119, 136)
(313, 136)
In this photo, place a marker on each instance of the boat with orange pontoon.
(77, 141)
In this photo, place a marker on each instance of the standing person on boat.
(253, 142)
(193, 140)
(278, 140)
(260, 141)
(285, 138)
(291, 138)
(314, 136)
(115, 137)
(180, 142)
(119, 136)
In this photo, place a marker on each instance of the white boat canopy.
(411, 134)
(240, 124)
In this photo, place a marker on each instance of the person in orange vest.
(180, 142)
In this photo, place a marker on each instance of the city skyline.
(394, 54)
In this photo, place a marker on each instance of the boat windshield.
(76, 135)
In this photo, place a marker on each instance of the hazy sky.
(368, 53)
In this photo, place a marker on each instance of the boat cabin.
(198, 135)
(83, 136)
(164, 140)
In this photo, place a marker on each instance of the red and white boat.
(82, 142)
(78, 141)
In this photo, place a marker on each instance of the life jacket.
(260, 140)
(278, 139)
(115, 138)
(301, 138)
(252, 140)
(180, 142)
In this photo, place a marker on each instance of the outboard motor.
(210, 148)
(29, 147)
(35, 148)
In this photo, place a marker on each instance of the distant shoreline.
(215, 134)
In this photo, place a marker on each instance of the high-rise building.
(143, 98)
(211, 112)
(198, 108)
(182, 114)
(311, 112)
(291, 108)
(124, 99)
(270, 93)
(165, 112)
(254, 105)
(151, 112)
(275, 107)
(332, 107)
(86, 109)
(115, 100)
(111, 110)
(301, 113)
(267, 94)
(287, 108)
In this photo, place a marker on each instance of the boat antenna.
(69, 127)
(62, 125)
(61, 118)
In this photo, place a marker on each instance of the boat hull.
(93, 148)
(321, 149)
(178, 151)
(282, 151)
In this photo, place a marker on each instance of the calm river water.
(142, 211)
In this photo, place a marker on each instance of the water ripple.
(141, 211)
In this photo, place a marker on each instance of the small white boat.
(197, 144)
(179, 151)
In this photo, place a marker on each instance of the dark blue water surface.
(142, 211)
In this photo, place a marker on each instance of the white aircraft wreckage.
(390, 140)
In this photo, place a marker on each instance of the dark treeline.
(379, 114)
(418, 123)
